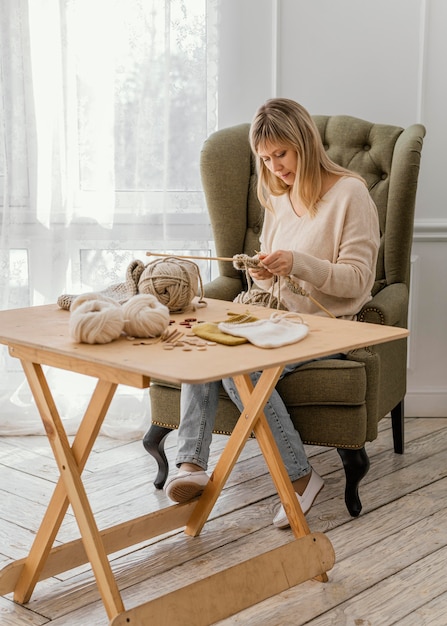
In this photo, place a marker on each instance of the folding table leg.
(57, 507)
(277, 470)
(70, 473)
(225, 593)
(253, 408)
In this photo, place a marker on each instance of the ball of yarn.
(88, 297)
(145, 316)
(95, 319)
(172, 281)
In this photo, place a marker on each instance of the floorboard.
(390, 561)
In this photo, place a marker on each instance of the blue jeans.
(198, 406)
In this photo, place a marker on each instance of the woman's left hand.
(279, 262)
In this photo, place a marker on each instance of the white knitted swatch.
(278, 330)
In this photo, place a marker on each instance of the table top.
(40, 334)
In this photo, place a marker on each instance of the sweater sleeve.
(354, 230)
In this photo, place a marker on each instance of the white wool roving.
(86, 297)
(95, 319)
(145, 316)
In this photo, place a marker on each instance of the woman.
(321, 230)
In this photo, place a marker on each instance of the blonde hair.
(285, 122)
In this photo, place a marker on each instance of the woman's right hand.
(259, 273)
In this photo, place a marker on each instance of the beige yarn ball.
(172, 281)
(145, 316)
(95, 319)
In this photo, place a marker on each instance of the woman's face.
(280, 160)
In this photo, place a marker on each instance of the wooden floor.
(390, 562)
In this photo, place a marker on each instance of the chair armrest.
(223, 288)
(389, 307)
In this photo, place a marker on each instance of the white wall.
(382, 60)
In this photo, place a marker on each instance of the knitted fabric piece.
(120, 292)
(210, 330)
(278, 330)
(259, 297)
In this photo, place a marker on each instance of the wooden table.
(39, 336)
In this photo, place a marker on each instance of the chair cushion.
(327, 409)
(330, 381)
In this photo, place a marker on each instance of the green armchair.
(336, 403)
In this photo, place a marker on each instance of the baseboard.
(427, 403)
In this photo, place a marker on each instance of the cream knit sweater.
(334, 253)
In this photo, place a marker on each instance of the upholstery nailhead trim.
(228, 433)
(366, 349)
(175, 426)
(165, 425)
(333, 445)
(363, 314)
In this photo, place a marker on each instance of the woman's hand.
(278, 263)
(259, 273)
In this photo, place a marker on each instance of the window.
(107, 106)
(104, 106)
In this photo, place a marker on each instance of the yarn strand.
(244, 262)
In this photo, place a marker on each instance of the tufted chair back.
(332, 402)
(373, 150)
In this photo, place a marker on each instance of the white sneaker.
(186, 485)
(314, 486)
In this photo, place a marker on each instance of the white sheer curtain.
(104, 107)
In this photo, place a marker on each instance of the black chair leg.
(356, 466)
(154, 443)
(397, 423)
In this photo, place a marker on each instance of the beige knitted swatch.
(121, 292)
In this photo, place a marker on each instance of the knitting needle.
(320, 306)
(185, 256)
(222, 258)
